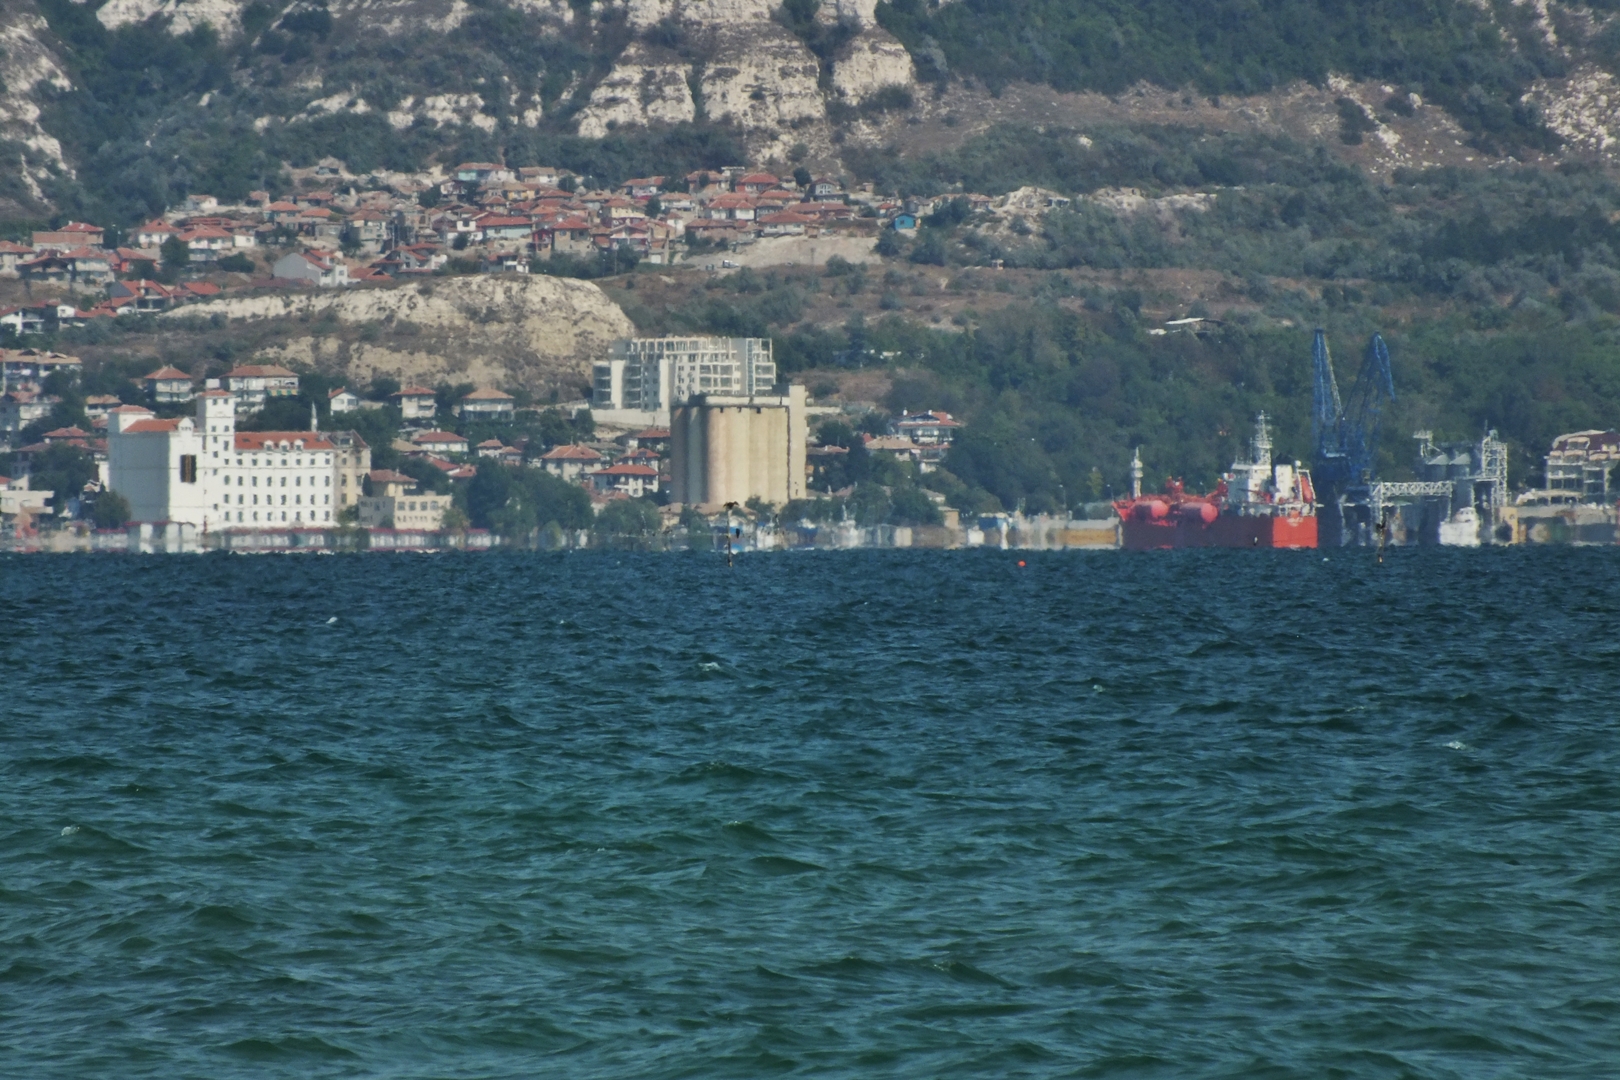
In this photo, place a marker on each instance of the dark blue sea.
(861, 814)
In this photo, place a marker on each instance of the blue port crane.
(1346, 429)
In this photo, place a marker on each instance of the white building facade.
(203, 472)
(644, 378)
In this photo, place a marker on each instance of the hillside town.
(704, 432)
(482, 217)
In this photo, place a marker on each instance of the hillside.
(115, 109)
(1443, 172)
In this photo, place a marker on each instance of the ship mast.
(1260, 445)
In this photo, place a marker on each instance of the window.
(188, 468)
(284, 503)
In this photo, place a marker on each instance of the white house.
(168, 385)
(415, 402)
(253, 384)
(569, 462)
(439, 442)
(487, 405)
(312, 267)
(631, 479)
(342, 400)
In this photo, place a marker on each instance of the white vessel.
(1462, 530)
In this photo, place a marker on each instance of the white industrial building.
(645, 378)
(203, 472)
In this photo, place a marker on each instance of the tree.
(176, 256)
(910, 506)
(62, 469)
(630, 519)
(802, 177)
(111, 510)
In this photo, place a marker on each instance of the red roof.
(140, 426)
(571, 453)
(652, 433)
(268, 440)
(389, 476)
(436, 437)
(624, 469)
(487, 395)
(258, 371)
(167, 374)
(412, 391)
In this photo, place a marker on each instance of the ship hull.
(1226, 531)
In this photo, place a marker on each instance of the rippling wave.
(1215, 814)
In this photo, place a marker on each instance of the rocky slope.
(29, 68)
(802, 81)
(535, 333)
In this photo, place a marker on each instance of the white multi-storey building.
(644, 378)
(205, 473)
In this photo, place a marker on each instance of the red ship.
(1256, 505)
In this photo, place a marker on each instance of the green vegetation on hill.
(1476, 60)
(137, 130)
(1520, 237)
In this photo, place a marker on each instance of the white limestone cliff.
(26, 65)
(511, 330)
(185, 16)
(860, 13)
(643, 88)
(873, 61)
(764, 78)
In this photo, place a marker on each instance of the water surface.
(1198, 814)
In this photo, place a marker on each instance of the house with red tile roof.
(415, 402)
(439, 442)
(570, 462)
(168, 385)
(629, 479)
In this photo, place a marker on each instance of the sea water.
(858, 814)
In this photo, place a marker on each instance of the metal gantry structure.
(1346, 434)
